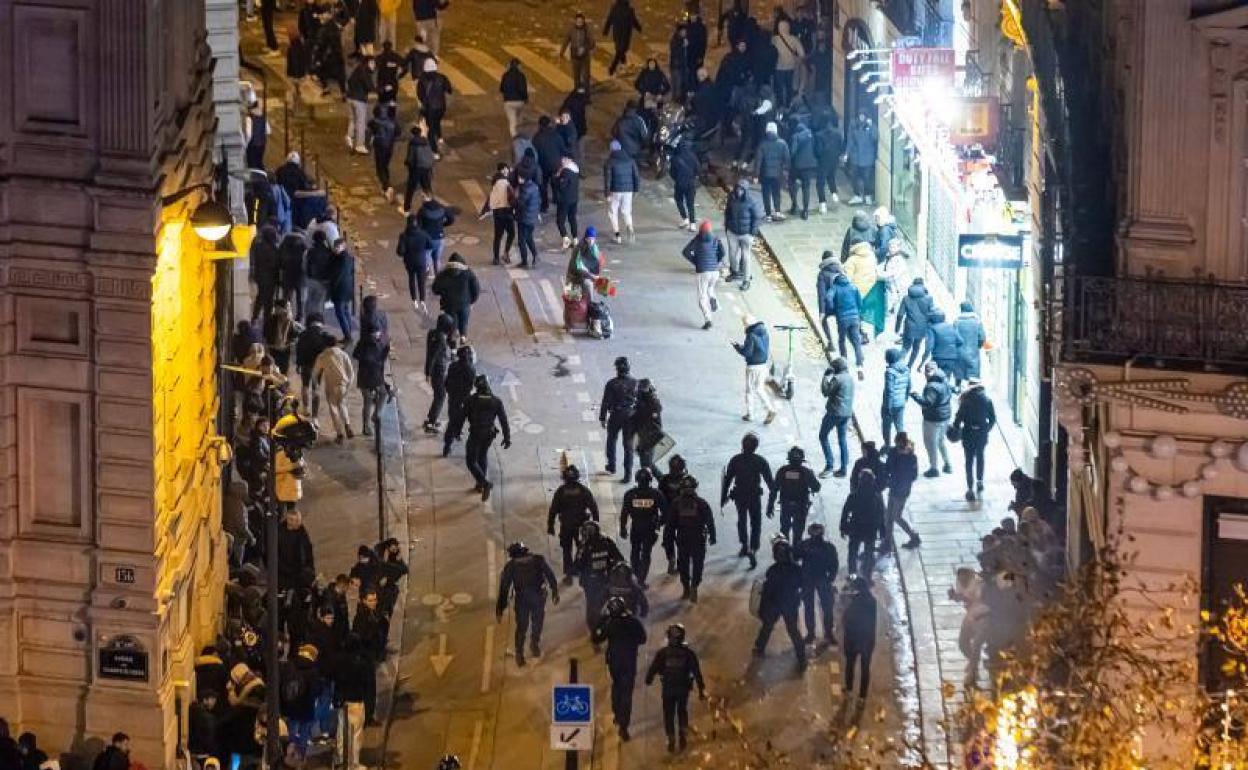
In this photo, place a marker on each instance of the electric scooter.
(782, 377)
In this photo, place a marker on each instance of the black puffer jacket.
(685, 165)
(456, 285)
(802, 149)
(630, 132)
(742, 212)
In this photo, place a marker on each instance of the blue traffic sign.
(572, 704)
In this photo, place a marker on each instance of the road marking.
(491, 566)
(583, 397)
(578, 378)
(552, 299)
(487, 661)
(561, 80)
(475, 192)
(594, 435)
(589, 416)
(516, 274)
(574, 360)
(488, 64)
(475, 751)
(460, 83)
(441, 660)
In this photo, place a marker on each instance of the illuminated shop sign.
(915, 68)
(990, 250)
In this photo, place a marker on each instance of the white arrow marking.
(511, 382)
(441, 661)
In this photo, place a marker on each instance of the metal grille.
(942, 232)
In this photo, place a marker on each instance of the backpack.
(435, 94)
(600, 326)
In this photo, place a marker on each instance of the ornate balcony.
(1162, 322)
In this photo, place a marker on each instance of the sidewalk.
(949, 526)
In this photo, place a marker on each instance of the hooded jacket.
(935, 400)
(802, 149)
(413, 244)
(457, 286)
(528, 203)
(829, 269)
(896, 380)
(863, 513)
(915, 313)
(943, 342)
(567, 183)
(630, 131)
(620, 174)
(862, 144)
(971, 330)
(742, 213)
(371, 358)
(621, 23)
(684, 168)
(838, 392)
(772, 158)
(756, 349)
(860, 267)
(293, 268)
(514, 86)
(550, 147)
(433, 217)
(861, 230)
(846, 302)
(976, 415)
(829, 145)
(705, 252)
(419, 155)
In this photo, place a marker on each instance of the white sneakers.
(855, 200)
(836, 198)
(823, 207)
(567, 243)
(684, 224)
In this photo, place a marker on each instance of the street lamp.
(211, 220)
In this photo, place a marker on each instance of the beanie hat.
(457, 257)
(591, 232)
(772, 128)
(705, 226)
(364, 551)
(615, 145)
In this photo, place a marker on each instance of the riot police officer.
(782, 595)
(645, 506)
(794, 485)
(619, 397)
(678, 668)
(669, 487)
(624, 635)
(743, 484)
(527, 574)
(622, 585)
(481, 411)
(597, 555)
(820, 564)
(573, 504)
(692, 525)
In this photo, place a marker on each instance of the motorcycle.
(677, 125)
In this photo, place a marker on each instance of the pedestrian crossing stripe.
(489, 65)
(475, 193)
(461, 83)
(561, 80)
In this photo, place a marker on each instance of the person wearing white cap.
(432, 89)
(770, 163)
(756, 350)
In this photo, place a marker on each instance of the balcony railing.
(1172, 323)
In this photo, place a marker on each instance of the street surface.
(459, 689)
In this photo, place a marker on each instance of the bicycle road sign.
(572, 704)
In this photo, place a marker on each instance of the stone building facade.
(111, 551)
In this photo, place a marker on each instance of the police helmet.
(815, 529)
(571, 473)
(615, 607)
(676, 633)
(781, 550)
(590, 530)
(517, 549)
(621, 365)
(621, 568)
(797, 455)
(749, 442)
(449, 762)
(688, 484)
(676, 464)
(464, 353)
(481, 383)
(644, 477)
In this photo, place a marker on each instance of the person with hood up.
(371, 355)
(803, 163)
(975, 420)
(770, 164)
(840, 300)
(971, 330)
(781, 599)
(863, 272)
(483, 411)
(914, 318)
(621, 180)
(653, 87)
(551, 149)
(680, 63)
(621, 24)
(514, 88)
(862, 522)
(459, 379)
(858, 627)
(382, 135)
(419, 162)
(458, 289)
(308, 348)
(756, 350)
(886, 231)
(860, 230)
(684, 171)
(359, 85)
(439, 350)
(935, 403)
(434, 218)
(896, 394)
(413, 248)
(630, 130)
(944, 344)
(265, 271)
(292, 265)
(861, 148)
(342, 286)
(528, 209)
(566, 183)
(838, 391)
(580, 43)
(433, 89)
(498, 207)
(576, 104)
(829, 144)
(900, 471)
(335, 372)
(742, 216)
(705, 252)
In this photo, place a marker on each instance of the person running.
(499, 207)
(433, 89)
(413, 248)
(382, 135)
(514, 89)
(580, 43)
(756, 350)
(621, 180)
(419, 162)
(706, 253)
(677, 667)
(621, 24)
